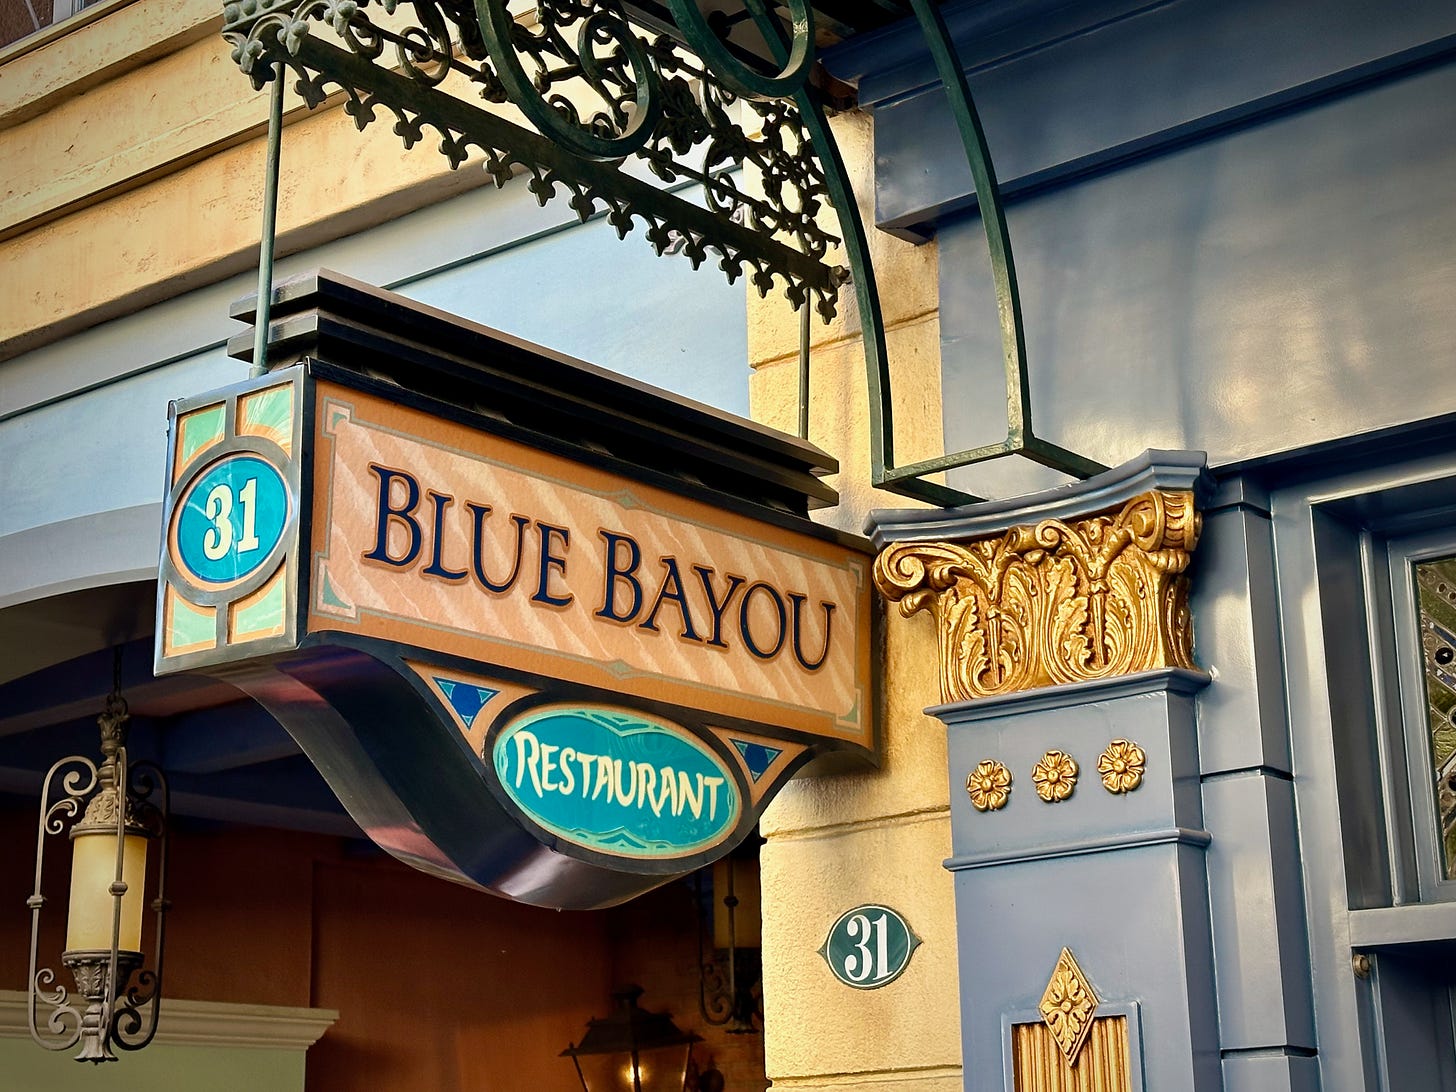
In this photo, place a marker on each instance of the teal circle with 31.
(232, 518)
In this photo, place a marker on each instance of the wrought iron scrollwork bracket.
(621, 121)
(622, 115)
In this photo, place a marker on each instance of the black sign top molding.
(546, 398)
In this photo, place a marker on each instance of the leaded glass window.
(1436, 602)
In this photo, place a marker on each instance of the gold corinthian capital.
(1054, 602)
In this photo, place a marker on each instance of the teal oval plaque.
(869, 947)
(231, 519)
(617, 781)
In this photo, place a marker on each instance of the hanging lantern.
(633, 1050)
(123, 811)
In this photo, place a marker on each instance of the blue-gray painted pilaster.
(1261, 947)
(1236, 633)
(1119, 879)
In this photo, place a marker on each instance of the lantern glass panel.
(661, 1070)
(93, 869)
(664, 1069)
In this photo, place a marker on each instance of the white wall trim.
(207, 1023)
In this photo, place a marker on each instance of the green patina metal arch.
(660, 86)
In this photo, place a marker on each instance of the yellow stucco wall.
(875, 837)
(134, 154)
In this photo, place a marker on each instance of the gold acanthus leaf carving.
(1054, 602)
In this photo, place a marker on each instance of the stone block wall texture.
(877, 836)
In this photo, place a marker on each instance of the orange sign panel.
(440, 536)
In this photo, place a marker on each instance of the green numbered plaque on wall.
(869, 947)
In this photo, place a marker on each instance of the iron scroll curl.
(607, 57)
(731, 70)
(626, 111)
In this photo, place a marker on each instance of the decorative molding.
(1067, 1006)
(1413, 923)
(207, 1023)
(1175, 681)
(989, 785)
(1055, 602)
(1182, 836)
(1122, 764)
(1055, 776)
(68, 24)
(1152, 471)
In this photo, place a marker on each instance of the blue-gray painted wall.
(1234, 227)
(1232, 221)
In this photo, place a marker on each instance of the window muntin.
(22, 18)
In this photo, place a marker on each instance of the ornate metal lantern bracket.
(626, 105)
(121, 807)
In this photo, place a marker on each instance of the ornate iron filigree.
(622, 117)
(1055, 602)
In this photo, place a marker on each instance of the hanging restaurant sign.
(558, 674)
(616, 781)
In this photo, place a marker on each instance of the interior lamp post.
(125, 809)
(633, 1050)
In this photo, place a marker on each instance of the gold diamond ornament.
(1068, 1005)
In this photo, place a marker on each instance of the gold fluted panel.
(1055, 602)
(1104, 1064)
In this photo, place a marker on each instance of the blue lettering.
(477, 559)
(744, 626)
(672, 588)
(436, 567)
(551, 561)
(389, 514)
(798, 601)
(619, 573)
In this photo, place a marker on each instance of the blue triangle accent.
(465, 698)
(756, 756)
